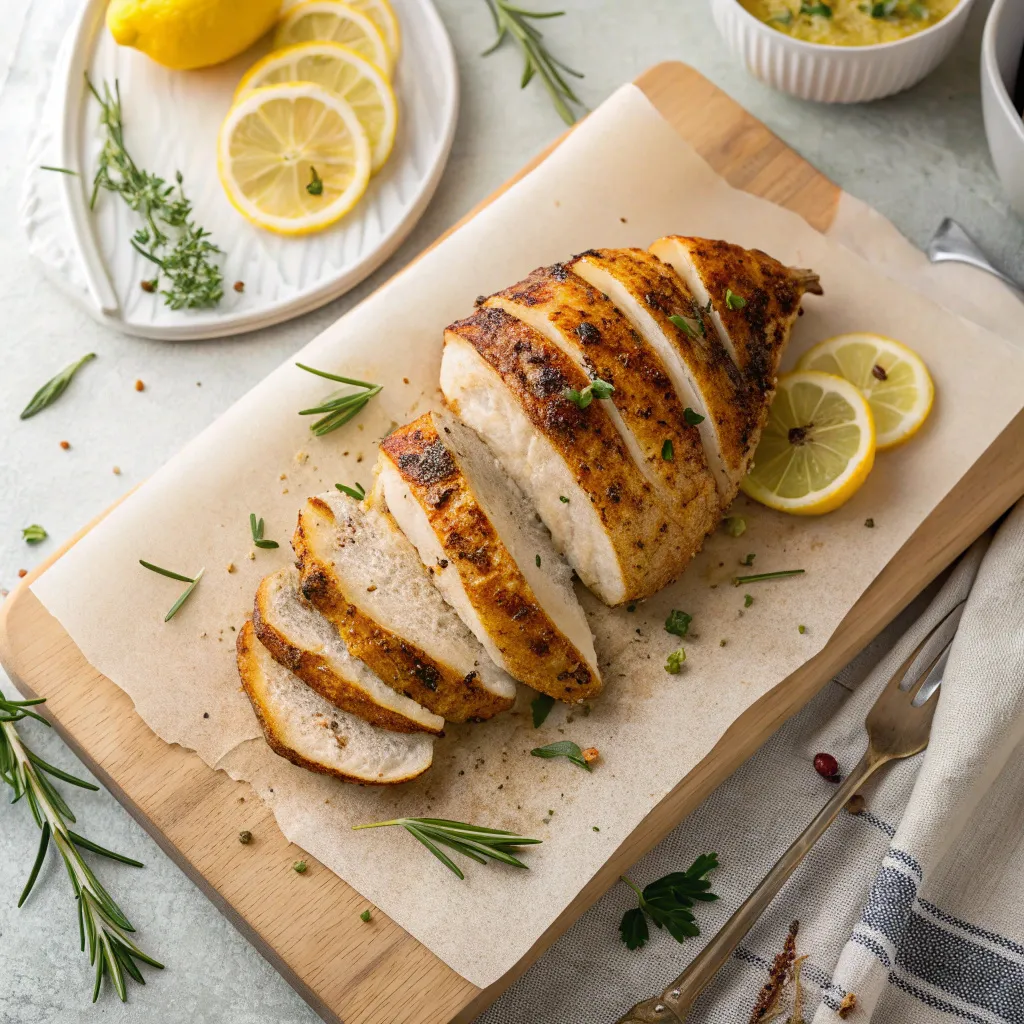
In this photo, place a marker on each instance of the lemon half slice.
(334, 22)
(379, 12)
(817, 448)
(890, 376)
(269, 146)
(352, 77)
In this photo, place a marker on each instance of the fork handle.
(674, 1004)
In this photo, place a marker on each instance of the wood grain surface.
(308, 927)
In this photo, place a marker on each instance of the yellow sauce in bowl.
(849, 22)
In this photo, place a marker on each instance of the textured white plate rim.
(990, 67)
(893, 44)
(104, 306)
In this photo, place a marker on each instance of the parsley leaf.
(732, 300)
(541, 708)
(668, 452)
(678, 623)
(749, 560)
(691, 417)
(33, 534)
(683, 324)
(667, 902)
(748, 600)
(674, 662)
(597, 388)
(563, 748)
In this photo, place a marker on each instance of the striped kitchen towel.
(914, 907)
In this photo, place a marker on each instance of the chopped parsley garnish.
(748, 600)
(597, 388)
(801, 629)
(668, 452)
(674, 662)
(33, 534)
(749, 560)
(563, 748)
(683, 324)
(678, 623)
(537, 560)
(732, 300)
(692, 418)
(812, 9)
(563, 499)
(365, 916)
(735, 526)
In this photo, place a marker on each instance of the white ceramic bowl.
(1000, 56)
(836, 74)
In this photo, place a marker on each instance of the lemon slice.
(890, 376)
(334, 22)
(817, 448)
(273, 140)
(361, 84)
(379, 12)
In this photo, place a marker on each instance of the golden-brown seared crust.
(648, 544)
(772, 291)
(404, 666)
(613, 351)
(535, 651)
(248, 672)
(736, 408)
(316, 672)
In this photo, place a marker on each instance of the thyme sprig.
(102, 924)
(339, 406)
(512, 21)
(169, 238)
(474, 841)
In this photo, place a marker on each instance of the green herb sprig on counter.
(192, 581)
(34, 534)
(103, 928)
(54, 387)
(597, 388)
(674, 662)
(563, 748)
(256, 528)
(678, 623)
(474, 841)
(512, 21)
(667, 903)
(338, 407)
(357, 492)
(168, 238)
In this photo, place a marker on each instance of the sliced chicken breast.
(706, 379)
(644, 406)
(310, 732)
(489, 556)
(300, 638)
(753, 299)
(367, 579)
(508, 382)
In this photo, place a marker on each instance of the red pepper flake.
(239, 286)
(139, 386)
(22, 573)
(65, 445)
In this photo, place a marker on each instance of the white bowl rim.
(893, 44)
(990, 68)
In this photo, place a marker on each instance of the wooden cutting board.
(308, 927)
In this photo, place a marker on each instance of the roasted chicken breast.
(489, 556)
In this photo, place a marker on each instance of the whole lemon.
(185, 34)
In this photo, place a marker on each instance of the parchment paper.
(622, 178)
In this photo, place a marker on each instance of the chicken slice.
(367, 579)
(644, 405)
(753, 299)
(307, 730)
(706, 379)
(508, 382)
(489, 555)
(300, 638)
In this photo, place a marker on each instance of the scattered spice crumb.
(847, 1006)
(140, 386)
(65, 445)
(365, 916)
(869, 523)
(622, 219)
(631, 608)
(231, 566)
(302, 458)
(117, 471)
(283, 476)
(251, 556)
(245, 837)
(856, 804)
(405, 380)
(202, 636)
(22, 573)
(300, 866)
(206, 714)
(770, 995)
(590, 755)
(147, 286)
(239, 286)
(722, 643)
(371, 588)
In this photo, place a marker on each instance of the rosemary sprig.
(474, 841)
(257, 533)
(358, 492)
(780, 574)
(54, 387)
(338, 407)
(192, 581)
(168, 237)
(102, 924)
(512, 21)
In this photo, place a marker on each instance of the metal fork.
(898, 726)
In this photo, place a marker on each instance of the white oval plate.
(170, 123)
